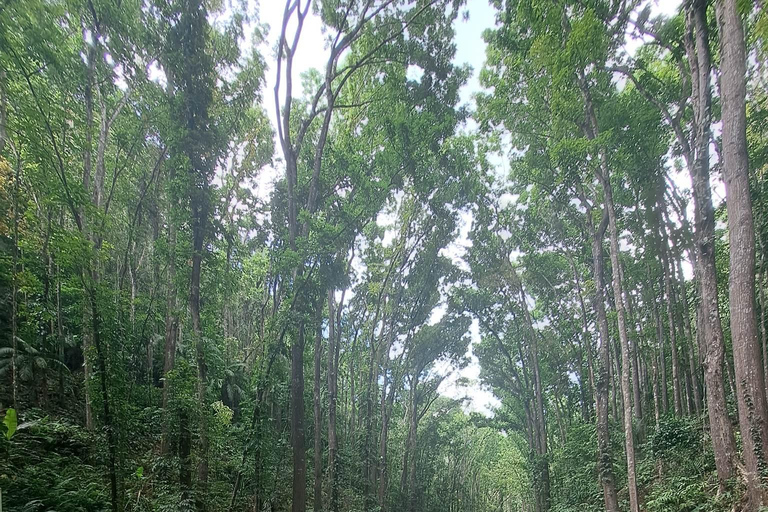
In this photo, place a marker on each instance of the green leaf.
(10, 423)
(140, 471)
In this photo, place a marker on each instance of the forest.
(269, 256)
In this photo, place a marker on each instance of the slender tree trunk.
(763, 334)
(185, 458)
(656, 407)
(171, 321)
(60, 335)
(721, 431)
(669, 293)
(199, 216)
(636, 398)
(603, 176)
(411, 415)
(386, 413)
(750, 382)
(373, 377)
(297, 423)
(87, 171)
(317, 497)
(540, 425)
(662, 376)
(690, 342)
(333, 384)
(623, 338)
(114, 476)
(413, 425)
(602, 382)
(14, 284)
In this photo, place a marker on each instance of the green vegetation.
(222, 295)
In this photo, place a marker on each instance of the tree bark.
(541, 478)
(317, 496)
(721, 431)
(623, 338)
(297, 423)
(14, 283)
(671, 302)
(333, 384)
(171, 321)
(761, 290)
(750, 382)
(603, 176)
(602, 382)
(690, 342)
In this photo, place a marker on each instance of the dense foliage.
(218, 296)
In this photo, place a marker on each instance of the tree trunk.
(114, 476)
(87, 171)
(413, 425)
(14, 285)
(171, 322)
(661, 395)
(199, 217)
(185, 458)
(333, 384)
(623, 338)
(297, 423)
(636, 397)
(60, 335)
(317, 496)
(669, 293)
(763, 334)
(605, 459)
(697, 49)
(386, 413)
(750, 382)
(690, 343)
(540, 426)
(373, 378)
(603, 175)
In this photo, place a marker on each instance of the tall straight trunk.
(114, 469)
(409, 469)
(655, 389)
(636, 396)
(626, 390)
(388, 400)
(333, 391)
(171, 319)
(750, 382)
(603, 175)
(388, 391)
(602, 382)
(615, 386)
(317, 496)
(540, 425)
(721, 431)
(14, 283)
(685, 317)
(373, 378)
(59, 334)
(352, 396)
(185, 458)
(671, 302)
(761, 290)
(297, 423)
(87, 172)
(662, 364)
(199, 217)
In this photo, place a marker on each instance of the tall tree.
(750, 381)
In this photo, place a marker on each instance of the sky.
(470, 49)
